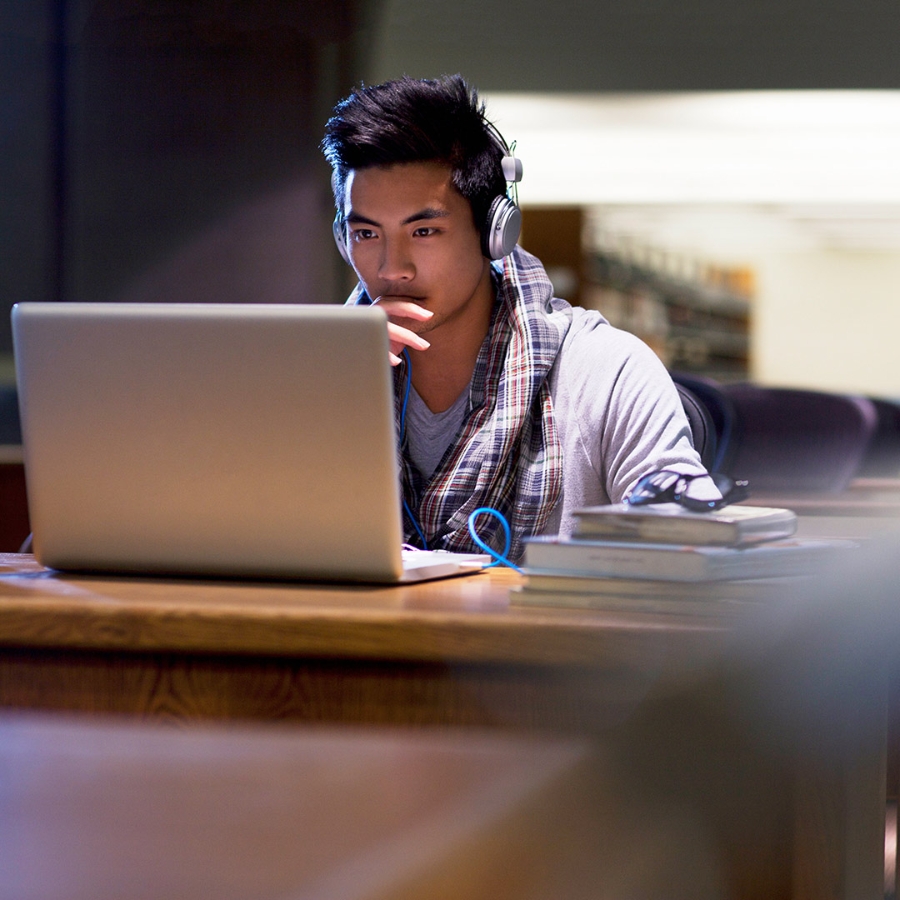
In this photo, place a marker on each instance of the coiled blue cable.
(499, 558)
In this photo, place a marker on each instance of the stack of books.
(664, 558)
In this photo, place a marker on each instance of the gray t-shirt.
(430, 434)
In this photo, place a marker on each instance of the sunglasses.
(698, 493)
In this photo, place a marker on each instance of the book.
(670, 523)
(683, 605)
(678, 562)
(596, 585)
(641, 595)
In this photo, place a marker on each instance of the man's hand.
(401, 337)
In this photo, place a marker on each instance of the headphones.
(503, 225)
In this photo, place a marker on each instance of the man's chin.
(414, 325)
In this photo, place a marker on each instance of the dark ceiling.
(644, 45)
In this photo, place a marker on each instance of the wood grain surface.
(451, 652)
(105, 810)
(465, 619)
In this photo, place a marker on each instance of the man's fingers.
(403, 309)
(401, 337)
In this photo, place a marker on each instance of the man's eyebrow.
(357, 219)
(430, 212)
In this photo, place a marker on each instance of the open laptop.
(214, 439)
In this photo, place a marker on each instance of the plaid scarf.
(507, 455)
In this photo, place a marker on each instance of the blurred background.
(721, 177)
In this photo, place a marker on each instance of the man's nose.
(396, 262)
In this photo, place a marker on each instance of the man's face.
(411, 236)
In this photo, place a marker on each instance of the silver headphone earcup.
(503, 227)
(337, 229)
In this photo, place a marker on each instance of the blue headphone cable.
(409, 512)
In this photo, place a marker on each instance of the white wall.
(829, 320)
(827, 308)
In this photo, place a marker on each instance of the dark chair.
(721, 412)
(702, 427)
(14, 525)
(797, 441)
(882, 457)
(10, 429)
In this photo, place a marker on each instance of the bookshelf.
(694, 315)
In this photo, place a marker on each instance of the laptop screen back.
(253, 440)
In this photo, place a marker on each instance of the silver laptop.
(214, 439)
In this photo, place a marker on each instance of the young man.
(506, 397)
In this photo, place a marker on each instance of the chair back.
(702, 427)
(10, 428)
(798, 441)
(720, 410)
(882, 457)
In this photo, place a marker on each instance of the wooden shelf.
(694, 327)
(695, 318)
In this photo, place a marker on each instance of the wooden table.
(867, 508)
(100, 810)
(106, 810)
(451, 652)
(729, 731)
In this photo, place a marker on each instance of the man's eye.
(424, 231)
(362, 234)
